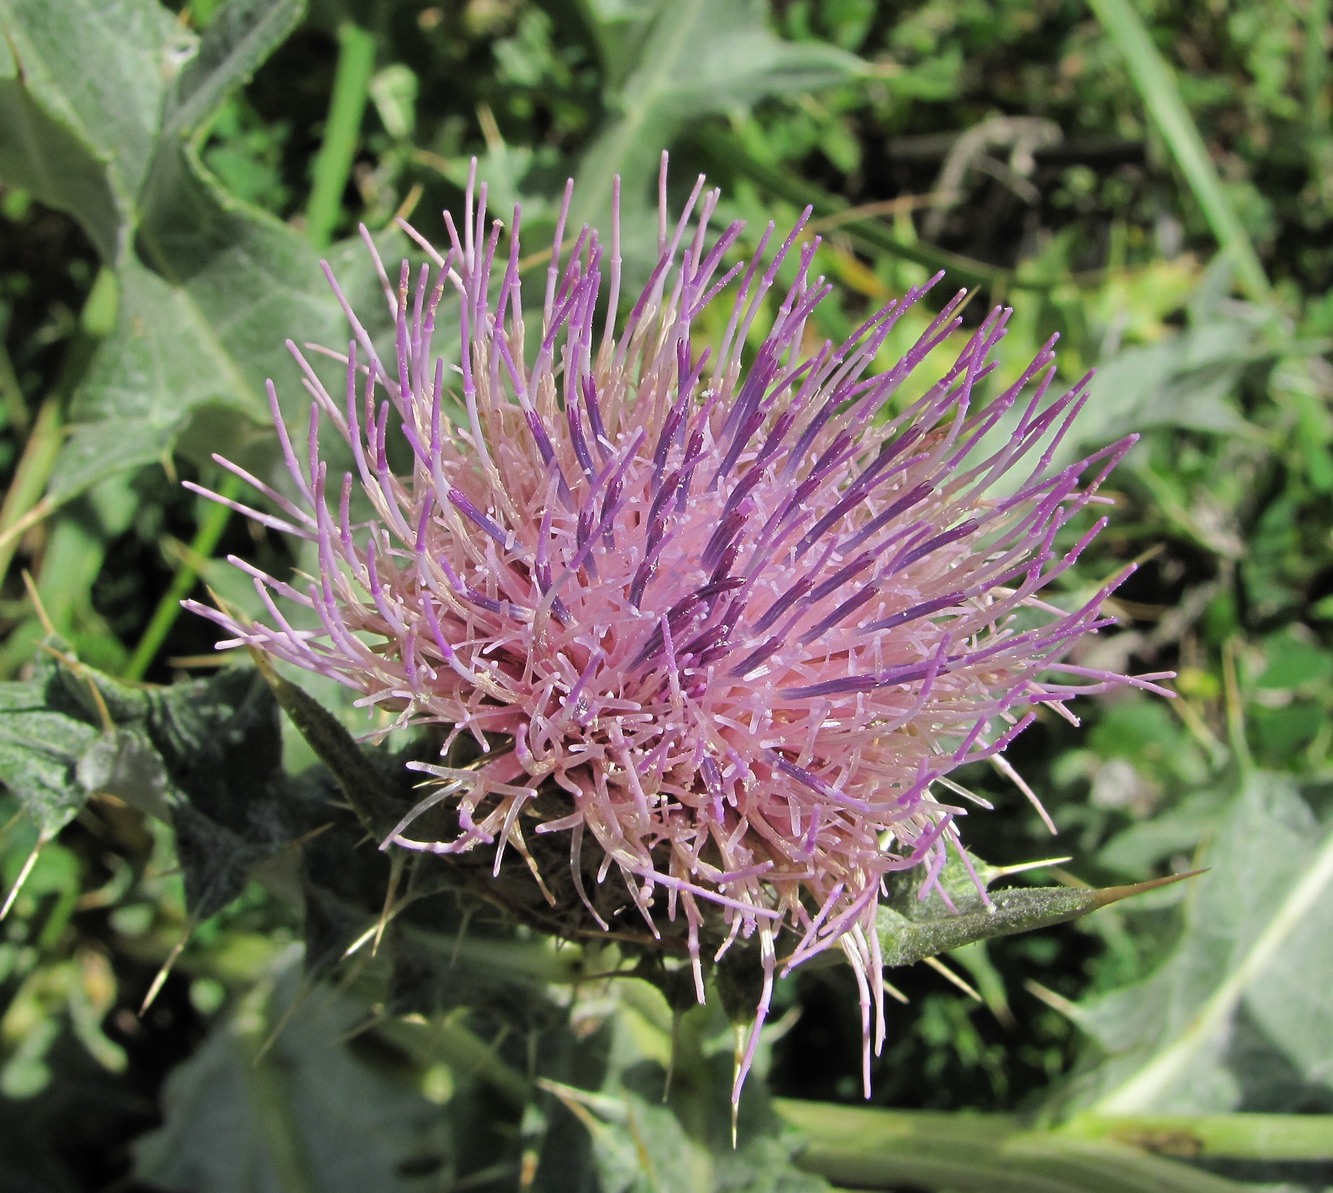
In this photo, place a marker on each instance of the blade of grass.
(23, 504)
(211, 527)
(1314, 70)
(1156, 83)
(13, 409)
(34, 470)
(333, 162)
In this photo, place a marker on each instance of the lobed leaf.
(101, 109)
(204, 754)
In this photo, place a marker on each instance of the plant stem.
(211, 527)
(333, 162)
(1271, 1137)
(981, 1153)
(34, 470)
(1156, 83)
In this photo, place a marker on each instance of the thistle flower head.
(713, 622)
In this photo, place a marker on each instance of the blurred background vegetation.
(1154, 181)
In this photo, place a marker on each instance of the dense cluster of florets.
(722, 617)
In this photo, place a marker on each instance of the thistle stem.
(876, 1148)
(1270, 1137)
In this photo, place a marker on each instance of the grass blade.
(1156, 81)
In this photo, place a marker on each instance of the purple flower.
(713, 623)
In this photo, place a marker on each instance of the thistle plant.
(704, 628)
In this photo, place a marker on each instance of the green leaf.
(43, 735)
(123, 763)
(367, 781)
(693, 58)
(649, 1134)
(200, 332)
(205, 754)
(46, 157)
(616, 26)
(344, 882)
(642, 1146)
(209, 288)
(911, 930)
(204, 308)
(237, 42)
(232, 806)
(82, 87)
(1187, 382)
(1238, 1014)
(305, 1116)
(98, 102)
(202, 329)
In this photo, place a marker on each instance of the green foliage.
(1151, 179)
(41, 747)
(1236, 1016)
(151, 745)
(257, 1112)
(863, 1147)
(201, 279)
(82, 140)
(677, 62)
(204, 754)
(305, 1113)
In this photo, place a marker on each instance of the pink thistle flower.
(718, 629)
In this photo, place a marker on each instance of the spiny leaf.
(905, 940)
(204, 754)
